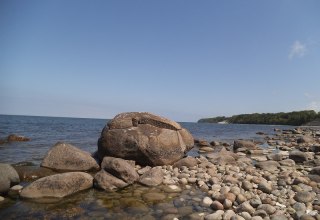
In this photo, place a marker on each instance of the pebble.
(227, 204)
(267, 208)
(216, 205)
(1, 198)
(215, 216)
(207, 201)
(265, 187)
(246, 207)
(228, 215)
(304, 196)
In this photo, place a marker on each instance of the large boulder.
(146, 138)
(120, 168)
(66, 157)
(8, 177)
(58, 185)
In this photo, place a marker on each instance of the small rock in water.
(1, 198)
(153, 197)
(171, 189)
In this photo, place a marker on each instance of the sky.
(180, 59)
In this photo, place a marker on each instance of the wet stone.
(171, 189)
(154, 197)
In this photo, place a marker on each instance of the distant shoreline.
(296, 118)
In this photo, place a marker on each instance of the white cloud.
(314, 105)
(308, 95)
(297, 50)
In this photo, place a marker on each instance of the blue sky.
(181, 59)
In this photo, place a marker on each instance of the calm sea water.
(84, 133)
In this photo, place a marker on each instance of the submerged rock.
(66, 157)
(58, 185)
(30, 173)
(14, 138)
(146, 138)
(8, 177)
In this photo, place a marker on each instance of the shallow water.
(128, 203)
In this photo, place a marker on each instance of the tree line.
(295, 118)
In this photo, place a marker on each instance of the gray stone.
(279, 217)
(269, 209)
(146, 138)
(217, 215)
(299, 207)
(315, 170)
(58, 185)
(106, 181)
(228, 215)
(153, 177)
(305, 139)
(66, 157)
(256, 218)
(120, 168)
(216, 205)
(8, 177)
(246, 185)
(187, 162)
(207, 201)
(246, 207)
(299, 156)
(287, 162)
(270, 165)
(265, 187)
(245, 215)
(304, 196)
(144, 170)
(249, 145)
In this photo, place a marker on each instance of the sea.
(83, 133)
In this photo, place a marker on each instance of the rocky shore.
(278, 179)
